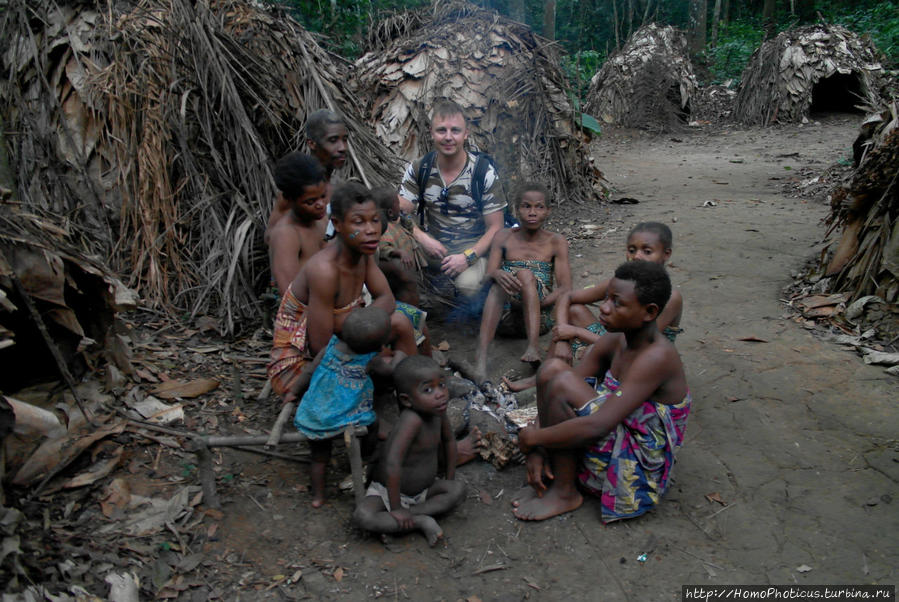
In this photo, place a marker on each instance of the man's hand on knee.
(453, 265)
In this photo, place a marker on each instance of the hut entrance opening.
(839, 93)
(673, 96)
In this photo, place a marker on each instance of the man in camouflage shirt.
(459, 233)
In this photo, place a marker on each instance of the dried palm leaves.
(866, 258)
(150, 128)
(779, 81)
(648, 84)
(506, 79)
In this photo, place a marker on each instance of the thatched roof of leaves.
(865, 261)
(149, 129)
(817, 63)
(505, 77)
(648, 84)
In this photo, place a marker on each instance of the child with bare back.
(406, 494)
(615, 440)
(298, 232)
(576, 325)
(523, 263)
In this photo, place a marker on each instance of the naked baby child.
(406, 494)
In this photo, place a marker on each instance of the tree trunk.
(630, 17)
(768, 10)
(516, 10)
(716, 14)
(615, 24)
(549, 19)
(726, 17)
(645, 13)
(697, 25)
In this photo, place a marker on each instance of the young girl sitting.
(524, 262)
(616, 440)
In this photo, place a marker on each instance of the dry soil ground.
(795, 438)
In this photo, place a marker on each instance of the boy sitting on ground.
(340, 392)
(522, 264)
(406, 494)
(616, 441)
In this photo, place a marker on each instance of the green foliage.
(879, 20)
(736, 43)
(344, 23)
(580, 68)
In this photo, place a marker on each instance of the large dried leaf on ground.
(54, 455)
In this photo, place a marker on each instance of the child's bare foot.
(467, 448)
(522, 384)
(429, 527)
(523, 495)
(553, 503)
(531, 355)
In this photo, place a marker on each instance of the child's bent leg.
(493, 307)
(401, 334)
(372, 515)
(530, 306)
(321, 454)
(559, 391)
(443, 496)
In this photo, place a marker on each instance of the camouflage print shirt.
(456, 223)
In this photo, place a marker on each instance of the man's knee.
(468, 283)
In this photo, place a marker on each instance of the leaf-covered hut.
(648, 84)
(812, 68)
(865, 260)
(505, 77)
(148, 130)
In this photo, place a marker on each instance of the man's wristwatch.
(470, 256)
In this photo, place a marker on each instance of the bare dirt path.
(796, 436)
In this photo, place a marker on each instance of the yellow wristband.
(470, 256)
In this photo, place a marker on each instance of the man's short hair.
(413, 370)
(317, 123)
(447, 108)
(657, 228)
(366, 329)
(346, 195)
(531, 187)
(651, 282)
(295, 171)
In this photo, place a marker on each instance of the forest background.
(722, 34)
